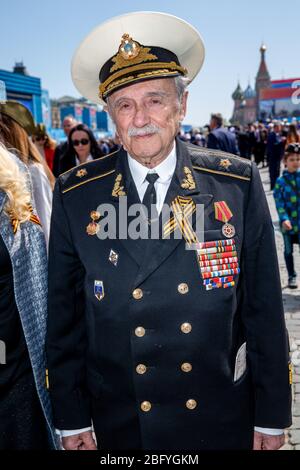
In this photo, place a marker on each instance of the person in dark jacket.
(82, 148)
(68, 123)
(220, 138)
(275, 152)
(176, 341)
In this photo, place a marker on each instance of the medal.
(228, 230)
(93, 227)
(224, 214)
(99, 290)
(113, 257)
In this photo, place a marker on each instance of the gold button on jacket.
(146, 406)
(186, 327)
(137, 294)
(191, 404)
(183, 288)
(186, 367)
(140, 331)
(141, 369)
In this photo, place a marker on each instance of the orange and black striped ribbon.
(182, 209)
(33, 218)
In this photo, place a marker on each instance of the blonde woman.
(25, 418)
(16, 125)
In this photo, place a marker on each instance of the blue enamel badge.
(99, 290)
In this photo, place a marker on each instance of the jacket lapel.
(157, 251)
(135, 248)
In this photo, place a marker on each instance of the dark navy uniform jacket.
(222, 139)
(152, 362)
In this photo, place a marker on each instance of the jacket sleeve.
(263, 316)
(212, 142)
(66, 335)
(280, 202)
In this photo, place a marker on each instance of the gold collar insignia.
(188, 182)
(118, 190)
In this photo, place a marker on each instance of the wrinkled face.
(147, 116)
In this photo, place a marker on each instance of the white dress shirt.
(165, 171)
(89, 159)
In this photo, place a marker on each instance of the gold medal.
(95, 215)
(92, 228)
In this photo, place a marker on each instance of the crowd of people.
(265, 143)
(274, 145)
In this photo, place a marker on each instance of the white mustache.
(138, 131)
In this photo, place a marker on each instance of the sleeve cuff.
(270, 431)
(72, 432)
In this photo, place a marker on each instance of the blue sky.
(45, 34)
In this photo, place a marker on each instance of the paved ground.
(291, 299)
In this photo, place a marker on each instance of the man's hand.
(82, 441)
(267, 442)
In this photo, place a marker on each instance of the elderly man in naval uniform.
(155, 345)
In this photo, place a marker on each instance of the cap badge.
(130, 53)
(129, 49)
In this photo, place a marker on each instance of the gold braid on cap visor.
(164, 68)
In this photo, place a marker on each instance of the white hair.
(181, 84)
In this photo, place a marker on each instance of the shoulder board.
(221, 163)
(87, 172)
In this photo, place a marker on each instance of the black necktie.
(150, 195)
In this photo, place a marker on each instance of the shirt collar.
(89, 159)
(165, 169)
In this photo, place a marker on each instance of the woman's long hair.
(95, 149)
(40, 131)
(292, 136)
(13, 183)
(15, 137)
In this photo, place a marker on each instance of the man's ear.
(183, 105)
